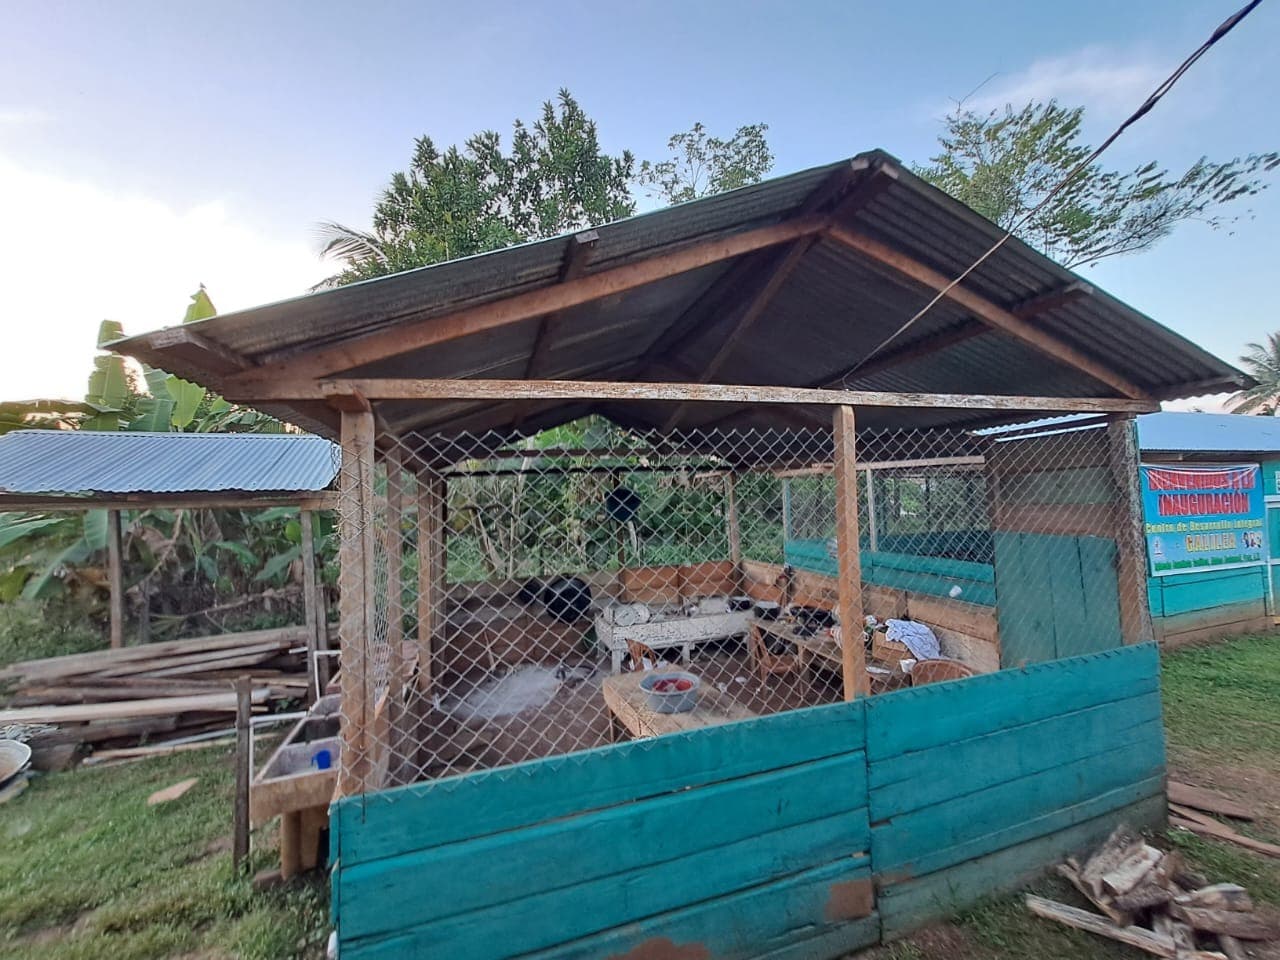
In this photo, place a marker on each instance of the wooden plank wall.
(920, 574)
(978, 784)
(747, 840)
(1195, 607)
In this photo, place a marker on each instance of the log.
(1130, 871)
(1146, 940)
(1201, 798)
(157, 707)
(1234, 923)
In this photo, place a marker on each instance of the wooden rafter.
(513, 390)
(413, 335)
(1026, 310)
(992, 314)
(576, 260)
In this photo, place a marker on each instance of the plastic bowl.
(671, 691)
(14, 756)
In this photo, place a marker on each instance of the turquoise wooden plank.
(928, 830)
(1237, 587)
(1100, 601)
(922, 777)
(942, 566)
(741, 926)
(910, 903)
(1208, 576)
(1026, 624)
(541, 919)
(836, 940)
(921, 717)
(1155, 596)
(419, 816)
(936, 586)
(1063, 585)
(1019, 830)
(650, 833)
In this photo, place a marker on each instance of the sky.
(147, 148)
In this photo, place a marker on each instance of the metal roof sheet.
(835, 308)
(84, 461)
(1208, 433)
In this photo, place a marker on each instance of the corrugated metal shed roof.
(83, 461)
(1170, 432)
(829, 314)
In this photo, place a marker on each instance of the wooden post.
(115, 578)
(732, 529)
(431, 571)
(356, 603)
(324, 663)
(1131, 543)
(393, 549)
(853, 653)
(244, 740)
(309, 610)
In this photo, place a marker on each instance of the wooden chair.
(765, 660)
(935, 671)
(640, 652)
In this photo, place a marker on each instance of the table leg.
(617, 661)
(290, 843)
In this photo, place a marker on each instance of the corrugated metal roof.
(1208, 433)
(834, 309)
(84, 461)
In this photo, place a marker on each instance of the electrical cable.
(1155, 97)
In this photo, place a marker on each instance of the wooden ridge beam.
(990, 313)
(512, 390)
(413, 335)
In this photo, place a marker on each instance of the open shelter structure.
(47, 471)
(569, 457)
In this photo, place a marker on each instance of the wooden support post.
(853, 652)
(732, 528)
(431, 571)
(393, 550)
(244, 741)
(115, 578)
(873, 532)
(356, 603)
(311, 615)
(1131, 543)
(324, 662)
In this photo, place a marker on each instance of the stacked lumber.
(1148, 899)
(178, 688)
(1189, 809)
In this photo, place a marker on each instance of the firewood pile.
(1147, 898)
(154, 692)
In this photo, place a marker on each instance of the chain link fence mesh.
(504, 603)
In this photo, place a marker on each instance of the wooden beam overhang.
(990, 313)
(595, 390)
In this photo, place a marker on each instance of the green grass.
(91, 871)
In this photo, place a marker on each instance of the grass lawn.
(88, 870)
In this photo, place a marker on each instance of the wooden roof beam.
(993, 315)
(406, 337)
(577, 258)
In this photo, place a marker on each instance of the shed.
(567, 458)
(55, 470)
(1227, 584)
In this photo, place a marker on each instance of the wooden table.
(631, 711)
(822, 647)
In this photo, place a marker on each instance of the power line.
(1156, 96)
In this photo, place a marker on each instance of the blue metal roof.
(1208, 432)
(84, 461)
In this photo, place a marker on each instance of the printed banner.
(1203, 518)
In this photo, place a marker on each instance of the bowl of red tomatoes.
(671, 691)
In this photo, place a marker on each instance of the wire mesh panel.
(504, 602)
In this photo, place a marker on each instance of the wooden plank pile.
(175, 689)
(1148, 899)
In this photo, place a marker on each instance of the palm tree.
(1263, 364)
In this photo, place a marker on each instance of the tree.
(701, 165)
(462, 201)
(1004, 164)
(1262, 362)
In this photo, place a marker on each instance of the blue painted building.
(1235, 590)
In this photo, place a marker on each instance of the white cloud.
(73, 253)
(1107, 82)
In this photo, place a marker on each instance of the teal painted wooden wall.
(976, 784)
(1058, 596)
(745, 839)
(753, 840)
(921, 574)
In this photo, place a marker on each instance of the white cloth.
(920, 640)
